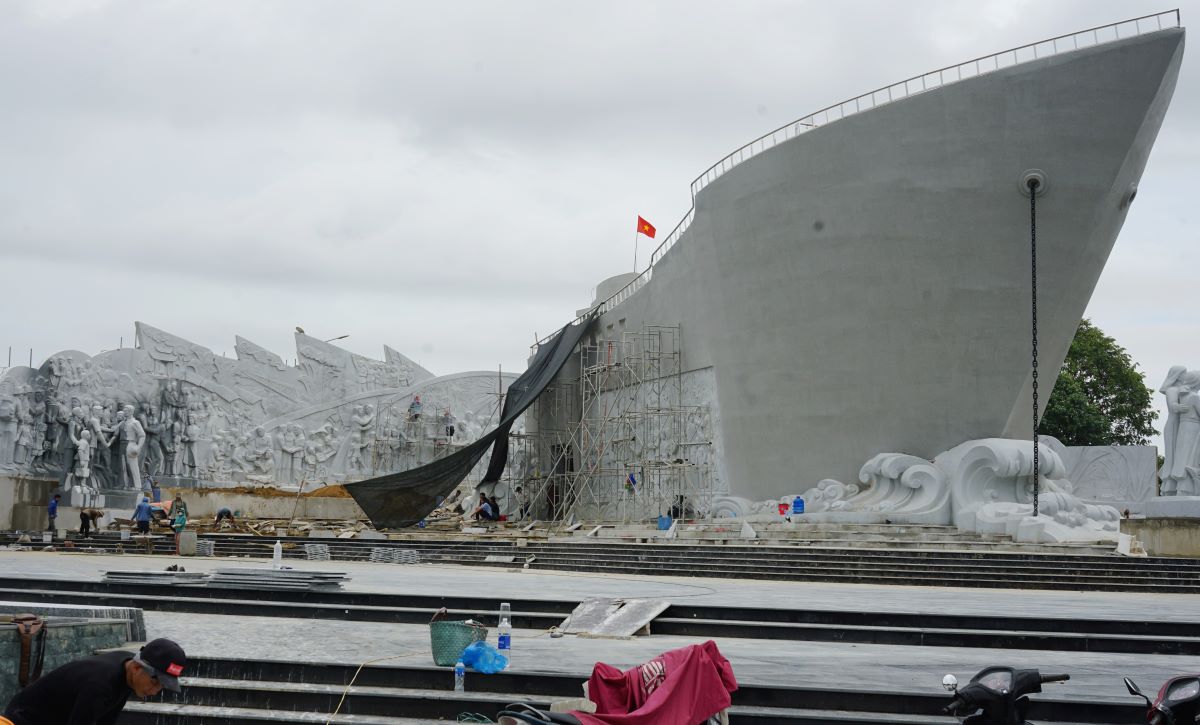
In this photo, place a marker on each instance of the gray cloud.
(449, 179)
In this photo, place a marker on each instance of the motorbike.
(996, 695)
(1177, 703)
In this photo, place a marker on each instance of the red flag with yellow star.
(645, 227)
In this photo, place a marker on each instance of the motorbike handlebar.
(956, 703)
(1055, 678)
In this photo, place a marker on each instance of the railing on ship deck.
(1099, 35)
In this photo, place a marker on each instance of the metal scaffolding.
(616, 436)
(403, 441)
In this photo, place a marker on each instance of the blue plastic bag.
(482, 657)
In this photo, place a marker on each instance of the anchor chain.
(1033, 185)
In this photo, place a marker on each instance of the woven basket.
(449, 639)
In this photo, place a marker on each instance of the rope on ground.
(350, 684)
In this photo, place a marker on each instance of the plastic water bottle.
(277, 556)
(460, 676)
(504, 630)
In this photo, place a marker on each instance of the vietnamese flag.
(645, 227)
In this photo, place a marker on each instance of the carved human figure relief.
(82, 471)
(1181, 434)
(101, 457)
(358, 445)
(191, 435)
(135, 439)
(262, 456)
(8, 428)
(291, 444)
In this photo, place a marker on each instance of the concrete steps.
(705, 622)
(802, 533)
(174, 713)
(231, 690)
(927, 564)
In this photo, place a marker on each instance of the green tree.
(1100, 397)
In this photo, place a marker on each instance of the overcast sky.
(450, 178)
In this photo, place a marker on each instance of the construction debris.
(158, 578)
(277, 579)
(316, 552)
(392, 555)
(620, 618)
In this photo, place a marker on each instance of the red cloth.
(682, 687)
(645, 227)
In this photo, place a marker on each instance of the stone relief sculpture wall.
(1120, 476)
(169, 407)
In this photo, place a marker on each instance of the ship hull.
(865, 287)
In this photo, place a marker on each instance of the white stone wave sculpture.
(980, 486)
(992, 493)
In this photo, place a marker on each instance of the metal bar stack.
(393, 555)
(165, 578)
(277, 579)
(316, 552)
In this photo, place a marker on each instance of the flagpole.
(635, 249)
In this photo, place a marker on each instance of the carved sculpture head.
(1173, 376)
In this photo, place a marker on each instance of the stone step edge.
(874, 578)
(929, 630)
(786, 572)
(248, 714)
(243, 714)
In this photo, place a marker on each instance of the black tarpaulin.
(402, 499)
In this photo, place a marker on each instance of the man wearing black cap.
(93, 690)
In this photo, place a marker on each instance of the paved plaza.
(1095, 676)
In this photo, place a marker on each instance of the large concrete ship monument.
(857, 283)
(843, 317)
(849, 300)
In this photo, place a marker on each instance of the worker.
(522, 503)
(224, 514)
(177, 507)
(52, 510)
(155, 491)
(89, 518)
(178, 516)
(484, 511)
(93, 690)
(142, 515)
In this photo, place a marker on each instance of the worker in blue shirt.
(52, 509)
(142, 515)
